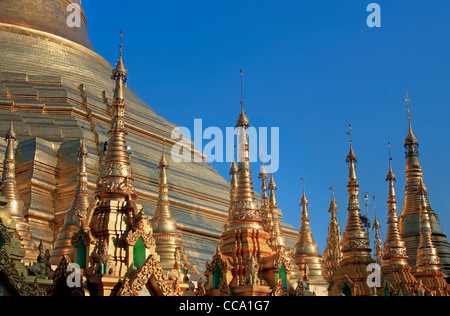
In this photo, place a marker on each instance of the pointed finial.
(390, 175)
(242, 120)
(120, 72)
(411, 142)
(374, 206)
(350, 133)
(163, 162)
(351, 157)
(304, 201)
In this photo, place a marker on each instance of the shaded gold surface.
(46, 15)
(410, 217)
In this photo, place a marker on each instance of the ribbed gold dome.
(48, 16)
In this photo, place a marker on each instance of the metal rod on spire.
(242, 90)
(332, 188)
(121, 43)
(350, 133)
(408, 105)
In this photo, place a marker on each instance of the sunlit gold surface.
(306, 252)
(46, 15)
(353, 273)
(15, 204)
(332, 256)
(58, 86)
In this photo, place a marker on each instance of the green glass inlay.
(139, 253)
(81, 255)
(217, 278)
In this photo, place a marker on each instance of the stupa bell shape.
(306, 252)
(173, 258)
(68, 18)
(409, 222)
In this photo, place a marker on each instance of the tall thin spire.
(10, 191)
(306, 252)
(394, 252)
(333, 252)
(245, 206)
(355, 242)
(378, 244)
(411, 142)
(116, 180)
(396, 269)
(81, 202)
(168, 240)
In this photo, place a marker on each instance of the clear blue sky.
(311, 68)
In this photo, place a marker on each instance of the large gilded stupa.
(57, 91)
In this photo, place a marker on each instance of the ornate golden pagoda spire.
(394, 252)
(410, 216)
(277, 239)
(81, 202)
(233, 186)
(396, 269)
(15, 204)
(116, 178)
(244, 259)
(428, 262)
(168, 241)
(333, 252)
(306, 252)
(115, 236)
(355, 242)
(378, 244)
(244, 205)
(265, 212)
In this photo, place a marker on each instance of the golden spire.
(244, 205)
(81, 202)
(410, 216)
(428, 262)
(394, 252)
(306, 252)
(378, 244)
(277, 238)
(355, 236)
(351, 278)
(265, 210)
(163, 221)
(333, 253)
(427, 256)
(233, 186)
(10, 191)
(168, 240)
(116, 178)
